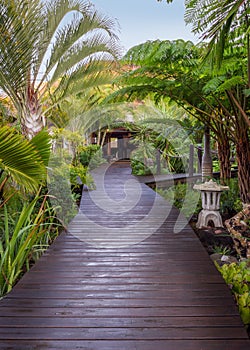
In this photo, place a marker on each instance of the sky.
(142, 20)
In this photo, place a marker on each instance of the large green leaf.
(220, 22)
(42, 143)
(20, 159)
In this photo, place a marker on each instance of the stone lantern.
(210, 197)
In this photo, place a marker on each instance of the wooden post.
(158, 162)
(108, 147)
(191, 161)
(199, 154)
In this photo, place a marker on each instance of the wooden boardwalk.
(123, 278)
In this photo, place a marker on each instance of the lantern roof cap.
(211, 186)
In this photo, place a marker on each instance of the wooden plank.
(117, 333)
(209, 290)
(74, 308)
(128, 345)
(121, 322)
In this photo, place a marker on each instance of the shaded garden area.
(66, 91)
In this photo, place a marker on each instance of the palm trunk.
(103, 138)
(98, 142)
(31, 125)
(243, 160)
(32, 121)
(207, 165)
(242, 143)
(224, 159)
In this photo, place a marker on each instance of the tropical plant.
(91, 156)
(170, 71)
(221, 249)
(23, 237)
(230, 199)
(62, 199)
(237, 276)
(182, 197)
(22, 162)
(173, 70)
(79, 175)
(226, 25)
(150, 139)
(50, 50)
(220, 22)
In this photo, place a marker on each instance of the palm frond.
(217, 22)
(87, 29)
(53, 13)
(231, 83)
(42, 144)
(16, 45)
(212, 85)
(85, 77)
(20, 160)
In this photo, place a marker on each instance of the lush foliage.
(140, 169)
(90, 156)
(27, 224)
(24, 236)
(175, 71)
(183, 197)
(50, 50)
(161, 144)
(237, 276)
(230, 199)
(21, 161)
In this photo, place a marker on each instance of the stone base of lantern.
(209, 215)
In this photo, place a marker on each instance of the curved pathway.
(129, 274)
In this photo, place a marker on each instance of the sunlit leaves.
(52, 48)
(219, 22)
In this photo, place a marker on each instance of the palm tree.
(52, 49)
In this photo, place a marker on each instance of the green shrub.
(176, 165)
(237, 276)
(183, 197)
(62, 199)
(139, 169)
(230, 199)
(79, 175)
(91, 156)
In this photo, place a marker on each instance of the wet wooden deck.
(125, 277)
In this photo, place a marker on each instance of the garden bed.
(221, 247)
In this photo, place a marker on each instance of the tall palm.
(52, 48)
